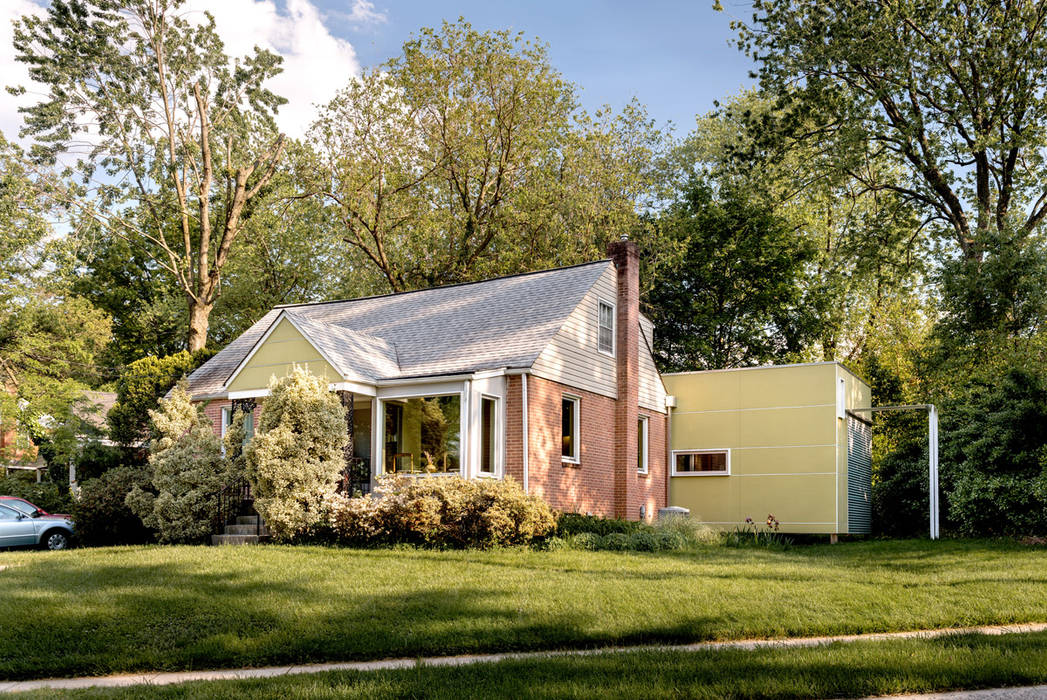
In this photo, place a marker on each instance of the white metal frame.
(932, 457)
(716, 450)
(576, 458)
(499, 442)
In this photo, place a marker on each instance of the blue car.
(24, 525)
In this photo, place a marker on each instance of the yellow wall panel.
(714, 429)
(277, 356)
(791, 460)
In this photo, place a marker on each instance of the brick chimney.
(626, 258)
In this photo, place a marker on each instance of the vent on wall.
(859, 476)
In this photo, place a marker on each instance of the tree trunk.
(199, 315)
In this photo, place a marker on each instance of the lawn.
(841, 670)
(123, 609)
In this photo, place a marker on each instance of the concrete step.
(242, 530)
(246, 519)
(234, 539)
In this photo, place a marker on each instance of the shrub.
(139, 389)
(95, 459)
(51, 496)
(186, 468)
(442, 511)
(102, 515)
(295, 458)
(573, 523)
(1002, 504)
(616, 541)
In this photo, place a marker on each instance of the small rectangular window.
(702, 463)
(605, 342)
(569, 420)
(641, 445)
(227, 419)
(488, 413)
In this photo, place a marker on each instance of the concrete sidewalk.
(168, 678)
(1030, 692)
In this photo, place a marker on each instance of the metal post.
(932, 452)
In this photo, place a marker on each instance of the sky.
(674, 57)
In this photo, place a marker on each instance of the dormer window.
(605, 334)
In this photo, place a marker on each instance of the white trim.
(498, 468)
(421, 389)
(489, 373)
(354, 387)
(576, 458)
(645, 430)
(526, 434)
(600, 302)
(785, 474)
(746, 369)
(249, 394)
(719, 450)
(226, 419)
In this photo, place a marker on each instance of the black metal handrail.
(229, 503)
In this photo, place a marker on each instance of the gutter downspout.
(526, 434)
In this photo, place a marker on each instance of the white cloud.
(13, 73)
(316, 63)
(362, 12)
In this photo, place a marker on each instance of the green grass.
(840, 670)
(171, 608)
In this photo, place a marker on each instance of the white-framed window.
(570, 420)
(488, 435)
(227, 419)
(701, 462)
(642, 448)
(605, 332)
(421, 435)
(227, 422)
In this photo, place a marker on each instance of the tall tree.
(735, 296)
(180, 138)
(468, 156)
(956, 93)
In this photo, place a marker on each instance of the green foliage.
(183, 137)
(737, 295)
(95, 459)
(442, 512)
(592, 533)
(295, 458)
(993, 454)
(467, 157)
(101, 512)
(933, 86)
(52, 497)
(899, 494)
(187, 468)
(139, 389)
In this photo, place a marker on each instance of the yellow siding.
(781, 426)
(278, 355)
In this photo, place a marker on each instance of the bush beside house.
(102, 515)
(441, 511)
(187, 468)
(296, 457)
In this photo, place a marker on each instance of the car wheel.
(55, 540)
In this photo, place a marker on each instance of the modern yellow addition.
(780, 440)
(283, 350)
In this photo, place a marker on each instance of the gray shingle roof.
(504, 322)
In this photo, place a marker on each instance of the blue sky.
(673, 56)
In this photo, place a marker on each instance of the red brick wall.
(514, 427)
(651, 489)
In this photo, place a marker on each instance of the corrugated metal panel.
(859, 477)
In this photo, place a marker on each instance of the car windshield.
(27, 508)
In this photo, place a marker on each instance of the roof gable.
(504, 322)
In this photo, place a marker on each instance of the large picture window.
(605, 341)
(569, 421)
(422, 435)
(701, 463)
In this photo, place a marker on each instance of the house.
(546, 377)
(783, 440)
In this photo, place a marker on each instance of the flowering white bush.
(295, 458)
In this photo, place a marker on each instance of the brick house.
(546, 377)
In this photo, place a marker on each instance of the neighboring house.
(546, 377)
